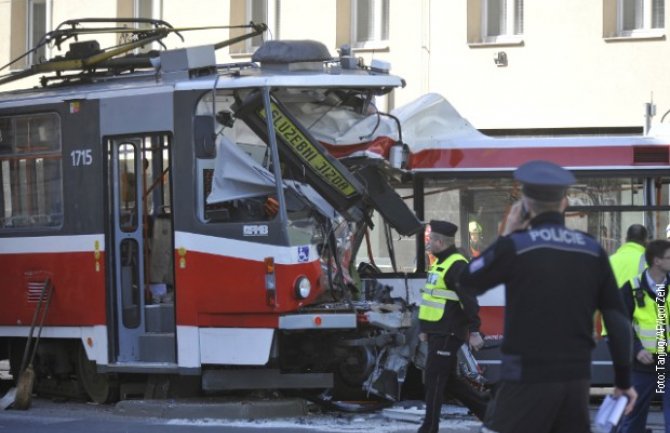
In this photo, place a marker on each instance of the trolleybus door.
(126, 168)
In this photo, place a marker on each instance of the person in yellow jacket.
(628, 261)
(448, 317)
(645, 297)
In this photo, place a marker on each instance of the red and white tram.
(188, 217)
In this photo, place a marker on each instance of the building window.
(144, 8)
(639, 17)
(501, 19)
(262, 11)
(30, 172)
(37, 27)
(369, 22)
(147, 9)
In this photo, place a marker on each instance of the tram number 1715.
(81, 157)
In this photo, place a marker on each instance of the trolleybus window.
(603, 206)
(389, 251)
(606, 206)
(31, 171)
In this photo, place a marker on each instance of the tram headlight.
(302, 287)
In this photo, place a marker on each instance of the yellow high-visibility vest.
(435, 294)
(628, 262)
(649, 331)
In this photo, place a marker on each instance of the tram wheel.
(358, 365)
(101, 388)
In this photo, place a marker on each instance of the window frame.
(271, 19)
(510, 35)
(376, 43)
(646, 29)
(39, 188)
(426, 185)
(156, 5)
(30, 25)
(156, 12)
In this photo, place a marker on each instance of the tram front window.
(239, 184)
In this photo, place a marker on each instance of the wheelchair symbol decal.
(303, 253)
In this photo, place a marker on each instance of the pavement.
(214, 408)
(403, 417)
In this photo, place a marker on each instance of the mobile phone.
(525, 215)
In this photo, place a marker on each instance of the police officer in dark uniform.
(448, 316)
(555, 279)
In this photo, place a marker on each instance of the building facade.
(506, 65)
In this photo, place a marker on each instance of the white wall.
(564, 75)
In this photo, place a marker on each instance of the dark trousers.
(554, 407)
(645, 384)
(440, 371)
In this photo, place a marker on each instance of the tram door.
(140, 231)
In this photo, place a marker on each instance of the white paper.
(609, 414)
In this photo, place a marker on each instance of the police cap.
(443, 227)
(544, 180)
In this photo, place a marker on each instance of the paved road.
(72, 417)
(76, 417)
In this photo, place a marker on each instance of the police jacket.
(555, 278)
(461, 317)
(643, 305)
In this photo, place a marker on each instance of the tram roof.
(146, 83)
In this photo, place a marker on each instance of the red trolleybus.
(463, 176)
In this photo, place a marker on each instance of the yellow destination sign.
(308, 152)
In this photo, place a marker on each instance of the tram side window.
(30, 171)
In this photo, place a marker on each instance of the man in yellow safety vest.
(628, 261)
(645, 296)
(448, 316)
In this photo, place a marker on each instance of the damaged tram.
(197, 220)
(257, 225)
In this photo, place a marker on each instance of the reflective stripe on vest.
(436, 293)
(644, 320)
(449, 295)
